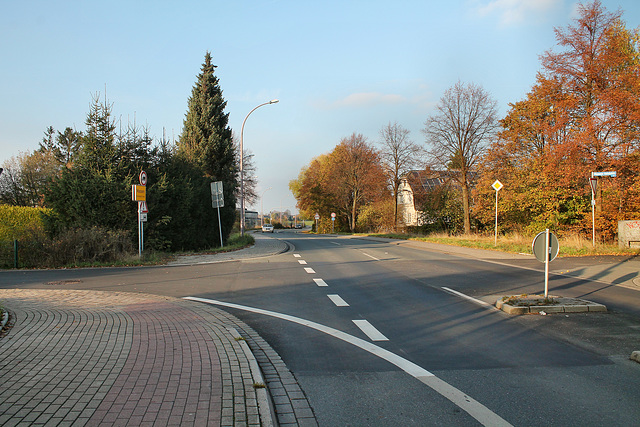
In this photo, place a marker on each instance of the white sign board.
(217, 196)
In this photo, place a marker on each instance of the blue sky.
(337, 67)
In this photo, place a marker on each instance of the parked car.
(267, 228)
(298, 226)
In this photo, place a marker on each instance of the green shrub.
(18, 221)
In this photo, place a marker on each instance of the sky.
(337, 67)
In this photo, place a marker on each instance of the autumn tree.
(25, 178)
(398, 155)
(342, 181)
(465, 122)
(581, 116)
(357, 176)
(313, 189)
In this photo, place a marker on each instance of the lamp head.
(274, 101)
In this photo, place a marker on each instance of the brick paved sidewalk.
(109, 358)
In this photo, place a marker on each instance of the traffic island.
(539, 304)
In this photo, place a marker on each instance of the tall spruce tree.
(206, 141)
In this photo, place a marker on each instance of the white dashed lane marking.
(337, 300)
(370, 330)
(320, 282)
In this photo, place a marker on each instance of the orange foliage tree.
(581, 116)
(343, 181)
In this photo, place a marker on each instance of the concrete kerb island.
(536, 304)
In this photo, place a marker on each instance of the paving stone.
(89, 357)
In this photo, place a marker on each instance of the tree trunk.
(465, 208)
(395, 204)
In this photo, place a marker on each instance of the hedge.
(19, 221)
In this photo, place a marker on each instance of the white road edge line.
(309, 270)
(337, 300)
(320, 282)
(370, 330)
(474, 408)
(370, 256)
(467, 297)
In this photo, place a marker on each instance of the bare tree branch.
(458, 133)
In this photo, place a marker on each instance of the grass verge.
(517, 243)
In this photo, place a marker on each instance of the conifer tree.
(206, 140)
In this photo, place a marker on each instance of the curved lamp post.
(273, 101)
(261, 208)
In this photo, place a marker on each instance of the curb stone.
(265, 402)
(565, 305)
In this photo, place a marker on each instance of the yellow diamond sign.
(497, 185)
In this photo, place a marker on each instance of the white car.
(267, 228)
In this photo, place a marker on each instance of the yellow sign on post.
(139, 193)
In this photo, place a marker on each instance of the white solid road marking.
(296, 255)
(370, 256)
(336, 243)
(309, 270)
(467, 297)
(337, 300)
(303, 262)
(320, 282)
(474, 408)
(370, 331)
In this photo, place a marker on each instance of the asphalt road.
(425, 356)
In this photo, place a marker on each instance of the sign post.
(593, 182)
(497, 185)
(333, 221)
(217, 201)
(546, 247)
(317, 217)
(139, 194)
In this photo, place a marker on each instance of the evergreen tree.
(207, 143)
(99, 152)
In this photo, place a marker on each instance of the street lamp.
(261, 205)
(273, 101)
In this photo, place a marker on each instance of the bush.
(71, 247)
(93, 245)
(18, 221)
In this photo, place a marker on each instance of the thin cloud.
(512, 12)
(369, 99)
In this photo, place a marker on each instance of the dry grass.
(572, 245)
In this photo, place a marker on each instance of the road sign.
(138, 193)
(143, 178)
(143, 207)
(593, 182)
(143, 217)
(317, 216)
(538, 246)
(217, 195)
(333, 215)
(497, 185)
(611, 174)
